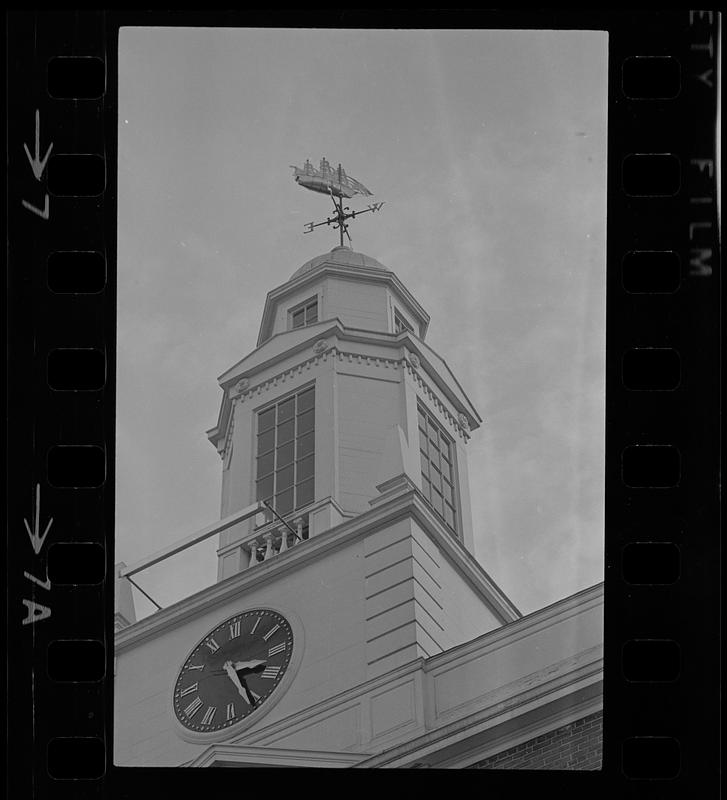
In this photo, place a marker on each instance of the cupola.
(346, 285)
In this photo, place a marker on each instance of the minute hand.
(230, 670)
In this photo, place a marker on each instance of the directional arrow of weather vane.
(336, 184)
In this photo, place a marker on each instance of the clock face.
(233, 671)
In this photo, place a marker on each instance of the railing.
(195, 538)
(275, 538)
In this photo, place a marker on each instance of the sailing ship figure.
(336, 184)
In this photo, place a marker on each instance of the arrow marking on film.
(35, 163)
(35, 538)
(44, 213)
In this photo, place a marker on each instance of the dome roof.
(340, 256)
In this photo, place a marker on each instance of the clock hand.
(256, 665)
(230, 670)
(250, 698)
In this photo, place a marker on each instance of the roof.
(340, 256)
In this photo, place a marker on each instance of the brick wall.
(574, 746)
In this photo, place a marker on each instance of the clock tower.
(346, 571)
(342, 412)
(341, 396)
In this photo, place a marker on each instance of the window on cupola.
(305, 314)
(286, 452)
(401, 324)
(436, 451)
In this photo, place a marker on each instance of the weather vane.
(337, 184)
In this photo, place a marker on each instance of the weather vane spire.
(336, 184)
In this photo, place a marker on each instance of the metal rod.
(265, 503)
(195, 538)
(339, 212)
(149, 597)
(339, 220)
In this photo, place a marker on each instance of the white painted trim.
(231, 755)
(336, 703)
(315, 331)
(369, 377)
(334, 330)
(517, 714)
(565, 714)
(534, 622)
(498, 725)
(548, 680)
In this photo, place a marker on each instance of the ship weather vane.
(338, 185)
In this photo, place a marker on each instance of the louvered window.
(305, 314)
(401, 324)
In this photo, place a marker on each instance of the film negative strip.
(663, 313)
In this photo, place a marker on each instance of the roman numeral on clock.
(212, 644)
(257, 622)
(193, 707)
(235, 629)
(270, 672)
(208, 715)
(231, 711)
(191, 688)
(272, 630)
(195, 666)
(279, 648)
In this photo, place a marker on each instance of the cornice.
(412, 356)
(422, 352)
(543, 618)
(519, 706)
(423, 348)
(461, 422)
(232, 755)
(407, 504)
(310, 333)
(237, 383)
(570, 709)
(584, 667)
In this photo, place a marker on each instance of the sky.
(488, 150)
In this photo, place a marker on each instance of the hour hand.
(255, 665)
